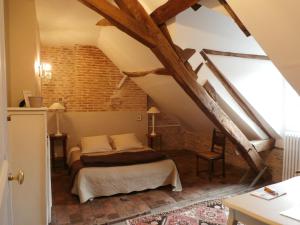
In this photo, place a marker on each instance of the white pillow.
(95, 144)
(126, 142)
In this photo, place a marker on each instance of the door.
(5, 199)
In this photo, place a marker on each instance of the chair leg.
(210, 169)
(223, 167)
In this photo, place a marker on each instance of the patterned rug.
(211, 212)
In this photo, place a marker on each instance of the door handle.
(19, 177)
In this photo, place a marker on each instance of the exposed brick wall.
(85, 79)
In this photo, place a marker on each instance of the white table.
(251, 210)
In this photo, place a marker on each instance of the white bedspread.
(105, 181)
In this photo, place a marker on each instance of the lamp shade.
(57, 106)
(153, 110)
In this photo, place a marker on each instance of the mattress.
(94, 182)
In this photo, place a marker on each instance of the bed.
(91, 182)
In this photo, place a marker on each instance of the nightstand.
(61, 140)
(154, 141)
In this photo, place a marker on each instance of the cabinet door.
(27, 141)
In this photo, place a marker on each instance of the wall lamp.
(45, 71)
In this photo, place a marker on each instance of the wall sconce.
(45, 71)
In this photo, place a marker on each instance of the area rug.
(211, 212)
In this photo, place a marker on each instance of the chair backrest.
(218, 141)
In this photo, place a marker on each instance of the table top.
(269, 211)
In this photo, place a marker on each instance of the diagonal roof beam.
(235, 17)
(170, 9)
(210, 90)
(235, 54)
(120, 19)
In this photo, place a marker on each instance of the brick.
(85, 79)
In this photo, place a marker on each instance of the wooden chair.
(216, 152)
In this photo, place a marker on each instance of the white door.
(5, 199)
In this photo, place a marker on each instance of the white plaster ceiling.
(66, 22)
(69, 22)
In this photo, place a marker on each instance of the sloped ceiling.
(66, 22)
(275, 25)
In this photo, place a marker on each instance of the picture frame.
(27, 94)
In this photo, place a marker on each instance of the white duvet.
(105, 181)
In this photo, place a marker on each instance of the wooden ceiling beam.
(170, 9)
(210, 90)
(199, 68)
(235, 17)
(185, 77)
(263, 145)
(235, 54)
(233, 91)
(120, 19)
(186, 54)
(158, 71)
(123, 6)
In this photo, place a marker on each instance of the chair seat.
(209, 155)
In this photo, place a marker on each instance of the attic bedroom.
(149, 112)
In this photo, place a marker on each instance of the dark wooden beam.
(186, 79)
(170, 9)
(235, 17)
(199, 68)
(235, 54)
(120, 19)
(123, 6)
(104, 23)
(232, 91)
(263, 145)
(164, 29)
(210, 90)
(159, 71)
(186, 54)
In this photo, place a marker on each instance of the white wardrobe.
(29, 151)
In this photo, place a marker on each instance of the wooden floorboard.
(67, 210)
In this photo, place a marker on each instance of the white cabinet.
(29, 151)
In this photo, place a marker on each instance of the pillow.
(95, 144)
(126, 142)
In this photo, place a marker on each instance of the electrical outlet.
(139, 117)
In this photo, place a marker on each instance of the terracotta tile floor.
(67, 210)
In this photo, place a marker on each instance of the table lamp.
(57, 107)
(153, 110)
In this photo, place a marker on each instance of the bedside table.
(63, 141)
(154, 141)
